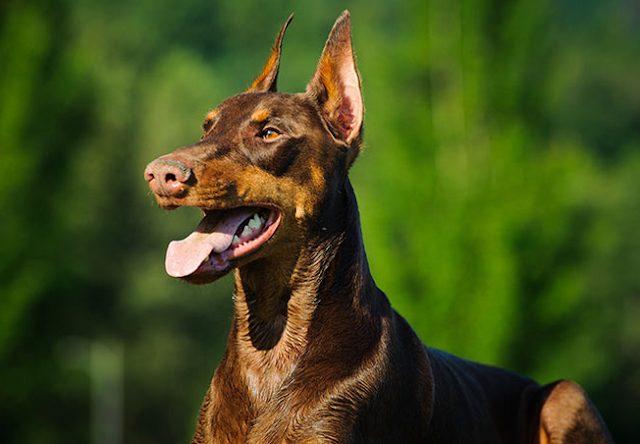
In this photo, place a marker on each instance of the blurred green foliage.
(498, 191)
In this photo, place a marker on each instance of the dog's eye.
(270, 134)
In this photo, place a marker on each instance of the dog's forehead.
(260, 107)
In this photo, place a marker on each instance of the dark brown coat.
(316, 354)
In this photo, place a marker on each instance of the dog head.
(268, 166)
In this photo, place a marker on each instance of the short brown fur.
(316, 354)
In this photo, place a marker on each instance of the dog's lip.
(206, 211)
(218, 262)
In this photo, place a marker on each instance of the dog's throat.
(219, 237)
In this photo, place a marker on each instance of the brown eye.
(270, 134)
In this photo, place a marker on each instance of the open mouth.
(222, 236)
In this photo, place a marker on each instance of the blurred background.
(499, 192)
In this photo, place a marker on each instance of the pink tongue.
(214, 233)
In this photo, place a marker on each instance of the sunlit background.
(499, 191)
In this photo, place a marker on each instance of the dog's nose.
(167, 177)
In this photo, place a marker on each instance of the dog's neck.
(282, 309)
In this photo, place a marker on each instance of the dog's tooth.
(262, 220)
(246, 231)
(236, 240)
(254, 224)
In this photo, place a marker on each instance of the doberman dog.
(316, 354)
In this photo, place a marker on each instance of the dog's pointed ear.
(268, 78)
(335, 85)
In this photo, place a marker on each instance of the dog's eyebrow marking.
(260, 115)
(208, 121)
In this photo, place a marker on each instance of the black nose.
(167, 177)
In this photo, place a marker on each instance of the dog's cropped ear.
(336, 85)
(268, 78)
